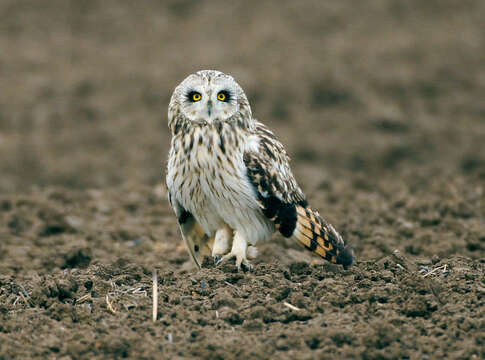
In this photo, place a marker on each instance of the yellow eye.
(221, 96)
(196, 96)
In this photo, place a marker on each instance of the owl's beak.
(209, 108)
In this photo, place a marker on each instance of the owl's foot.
(251, 253)
(238, 251)
(241, 263)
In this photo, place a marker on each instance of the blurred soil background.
(380, 104)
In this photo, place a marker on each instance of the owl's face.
(208, 96)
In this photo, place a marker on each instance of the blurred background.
(377, 88)
(380, 104)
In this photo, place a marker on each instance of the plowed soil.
(380, 105)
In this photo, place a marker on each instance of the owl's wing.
(269, 172)
(283, 202)
(197, 242)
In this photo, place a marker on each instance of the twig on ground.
(83, 298)
(232, 286)
(155, 295)
(24, 298)
(443, 267)
(24, 291)
(292, 307)
(108, 304)
(139, 291)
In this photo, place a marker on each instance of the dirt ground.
(381, 107)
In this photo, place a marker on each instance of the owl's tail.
(318, 236)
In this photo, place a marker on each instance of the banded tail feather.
(318, 236)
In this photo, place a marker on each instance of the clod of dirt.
(77, 258)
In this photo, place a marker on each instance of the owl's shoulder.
(269, 170)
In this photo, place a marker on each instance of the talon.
(217, 259)
(224, 258)
(246, 267)
(219, 262)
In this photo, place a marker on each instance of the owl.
(229, 179)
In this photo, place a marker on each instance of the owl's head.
(208, 96)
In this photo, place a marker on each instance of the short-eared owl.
(229, 179)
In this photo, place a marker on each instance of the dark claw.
(246, 268)
(219, 261)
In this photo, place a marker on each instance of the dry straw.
(155, 295)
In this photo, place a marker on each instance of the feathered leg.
(222, 242)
